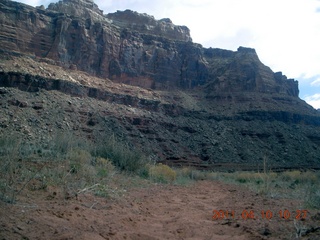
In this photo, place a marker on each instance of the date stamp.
(263, 214)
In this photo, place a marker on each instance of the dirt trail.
(158, 212)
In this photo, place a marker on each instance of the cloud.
(316, 82)
(37, 2)
(30, 2)
(314, 100)
(243, 37)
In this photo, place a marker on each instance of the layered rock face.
(63, 69)
(132, 48)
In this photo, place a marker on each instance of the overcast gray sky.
(285, 33)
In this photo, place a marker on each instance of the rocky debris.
(18, 103)
(3, 90)
(37, 106)
(173, 133)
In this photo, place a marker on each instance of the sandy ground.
(157, 212)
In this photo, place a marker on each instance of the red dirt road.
(157, 212)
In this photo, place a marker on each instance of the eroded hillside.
(70, 68)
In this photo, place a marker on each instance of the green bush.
(104, 167)
(121, 155)
(162, 173)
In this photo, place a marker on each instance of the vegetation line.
(109, 168)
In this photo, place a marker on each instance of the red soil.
(157, 212)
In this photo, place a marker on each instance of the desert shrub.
(10, 168)
(144, 171)
(244, 177)
(162, 173)
(195, 174)
(253, 177)
(259, 182)
(294, 184)
(309, 177)
(298, 177)
(186, 172)
(78, 159)
(199, 175)
(102, 191)
(86, 171)
(59, 146)
(74, 170)
(290, 175)
(312, 197)
(121, 155)
(183, 175)
(15, 176)
(186, 175)
(212, 176)
(10, 148)
(104, 167)
(80, 173)
(54, 173)
(272, 175)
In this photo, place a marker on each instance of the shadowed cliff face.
(63, 69)
(132, 48)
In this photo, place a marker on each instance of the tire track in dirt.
(157, 212)
(184, 213)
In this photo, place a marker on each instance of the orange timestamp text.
(263, 214)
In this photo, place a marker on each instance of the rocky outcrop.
(77, 8)
(132, 48)
(144, 23)
(30, 83)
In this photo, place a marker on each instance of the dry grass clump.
(69, 166)
(203, 175)
(273, 175)
(12, 173)
(244, 177)
(78, 159)
(186, 172)
(257, 177)
(186, 175)
(71, 163)
(301, 185)
(80, 172)
(300, 177)
(291, 175)
(104, 167)
(162, 173)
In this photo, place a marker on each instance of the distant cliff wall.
(132, 48)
